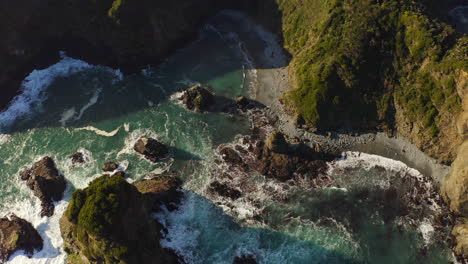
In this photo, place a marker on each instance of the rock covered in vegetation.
(152, 149)
(110, 222)
(197, 98)
(46, 182)
(77, 158)
(110, 166)
(18, 234)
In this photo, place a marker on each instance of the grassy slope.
(356, 61)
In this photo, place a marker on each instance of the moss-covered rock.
(460, 235)
(110, 222)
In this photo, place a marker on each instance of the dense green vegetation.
(98, 212)
(354, 60)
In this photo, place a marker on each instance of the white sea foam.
(67, 115)
(99, 131)
(4, 138)
(91, 102)
(427, 230)
(33, 90)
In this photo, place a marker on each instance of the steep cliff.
(124, 34)
(391, 65)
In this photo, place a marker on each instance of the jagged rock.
(18, 234)
(197, 98)
(277, 143)
(46, 182)
(231, 156)
(224, 190)
(110, 221)
(152, 149)
(460, 235)
(77, 158)
(110, 166)
(245, 259)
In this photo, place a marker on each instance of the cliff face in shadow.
(123, 34)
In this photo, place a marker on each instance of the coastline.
(394, 147)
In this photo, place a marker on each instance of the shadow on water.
(201, 229)
(227, 46)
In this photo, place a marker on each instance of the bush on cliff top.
(98, 208)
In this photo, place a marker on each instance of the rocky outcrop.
(110, 222)
(46, 182)
(152, 149)
(18, 234)
(110, 166)
(77, 158)
(161, 190)
(197, 98)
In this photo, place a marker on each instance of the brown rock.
(231, 156)
(152, 149)
(197, 98)
(77, 158)
(18, 234)
(110, 166)
(46, 182)
(455, 188)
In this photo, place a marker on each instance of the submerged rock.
(18, 234)
(110, 221)
(152, 149)
(245, 259)
(224, 190)
(197, 98)
(110, 166)
(46, 182)
(77, 158)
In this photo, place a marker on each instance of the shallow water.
(73, 106)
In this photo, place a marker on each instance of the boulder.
(197, 98)
(110, 221)
(224, 190)
(152, 149)
(77, 158)
(18, 234)
(46, 182)
(245, 259)
(110, 166)
(460, 239)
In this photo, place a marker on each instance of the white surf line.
(100, 132)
